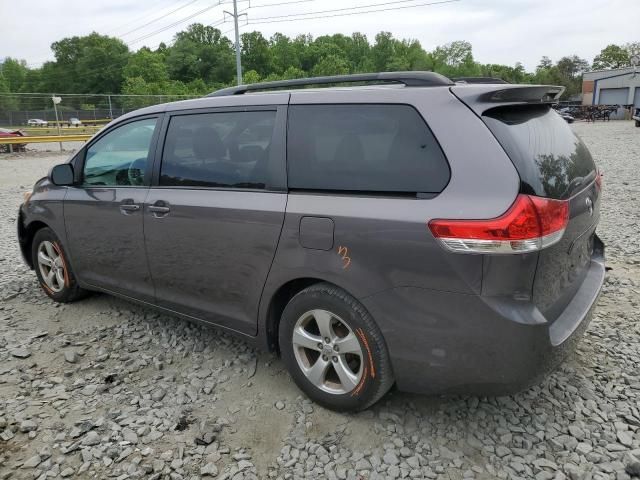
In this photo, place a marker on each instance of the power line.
(171, 25)
(33, 64)
(137, 19)
(277, 4)
(159, 18)
(287, 18)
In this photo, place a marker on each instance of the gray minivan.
(408, 230)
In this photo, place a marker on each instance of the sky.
(501, 31)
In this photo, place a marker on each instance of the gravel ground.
(106, 389)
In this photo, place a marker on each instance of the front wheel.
(333, 349)
(52, 268)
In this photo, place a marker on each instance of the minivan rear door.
(553, 163)
(214, 215)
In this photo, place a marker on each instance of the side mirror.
(62, 175)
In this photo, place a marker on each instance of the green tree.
(545, 63)
(89, 64)
(330, 65)
(612, 56)
(383, 51)
(454, 54)
(293, 72)
(568, 73)
(148, 65)
(14, 72)
(256, 53)
(201, 52)
(250, 76)
(632, 48)
(358, 53)
(515, 74)
(283, 53)
(6, 102)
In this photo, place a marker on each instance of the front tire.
(53, 269)
(333, 349)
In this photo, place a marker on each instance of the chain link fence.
(17, 109)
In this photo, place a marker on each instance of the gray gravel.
(106, 389)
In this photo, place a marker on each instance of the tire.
(361, 355)
(62, 286)
(637, 123)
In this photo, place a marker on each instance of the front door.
(213, 220)
(103, 214)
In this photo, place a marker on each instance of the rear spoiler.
(479, 80)
(481, 98)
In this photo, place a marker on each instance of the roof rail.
(476, 80)
(409, 79)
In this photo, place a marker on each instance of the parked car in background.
(636, 116)
(37, 122)
(74, 122)
(435, 235)
(16, 147)
(568, 118)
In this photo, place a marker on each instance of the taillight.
(530, 224)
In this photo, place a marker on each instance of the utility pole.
(110, 109)
(235, 16)
(56, 101)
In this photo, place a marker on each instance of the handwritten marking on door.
(346, 259)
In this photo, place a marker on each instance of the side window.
(367, 148)
(229, 150)
(120, 158)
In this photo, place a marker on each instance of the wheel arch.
(27, 234)
(279, 300)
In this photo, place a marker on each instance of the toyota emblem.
(589, 203)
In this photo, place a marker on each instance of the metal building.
(612, 87)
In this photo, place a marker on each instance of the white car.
(38, 122)
(74, 122)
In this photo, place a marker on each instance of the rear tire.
(637, 123)
(53, 269)
(333, 349)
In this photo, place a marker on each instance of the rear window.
(551, 160)
(363, 148)
(221, 150)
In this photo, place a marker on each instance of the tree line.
(201, 59)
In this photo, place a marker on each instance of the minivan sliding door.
(213, 220)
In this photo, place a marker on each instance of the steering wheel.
(135, 173)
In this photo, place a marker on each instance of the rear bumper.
(442, 342)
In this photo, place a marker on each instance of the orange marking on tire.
(356, 391)
(362, 336)
(64, 263)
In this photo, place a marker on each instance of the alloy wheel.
(327, 351)
(51, 266)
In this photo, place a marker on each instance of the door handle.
(127, 208)
(159, 209)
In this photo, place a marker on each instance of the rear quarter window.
(551, 160)
(363, 148)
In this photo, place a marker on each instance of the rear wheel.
(333, 349)
(52, 268)
(637, 123)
